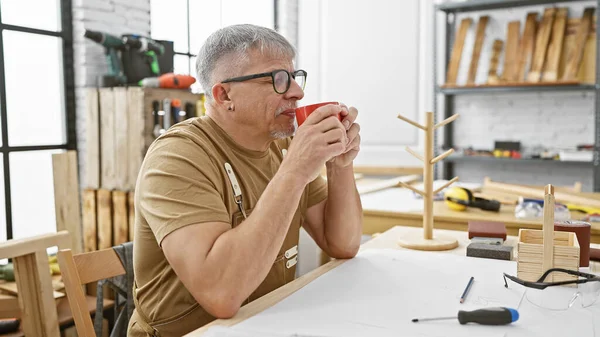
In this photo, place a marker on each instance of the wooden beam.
(66, 196)
(531, 192)
(387, 183)
(90, 231)
(19, 247)
(36, 301)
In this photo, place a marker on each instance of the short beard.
(278, 134)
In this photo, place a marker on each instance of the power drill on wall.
(111, 45)
(150, 48)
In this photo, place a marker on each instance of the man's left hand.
(352, 133)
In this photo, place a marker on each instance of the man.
(220, 199)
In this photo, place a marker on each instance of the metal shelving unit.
(523, 161)
(452, 8)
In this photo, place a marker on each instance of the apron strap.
(142, 319)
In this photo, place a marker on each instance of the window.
(189, 22)
(37, 110)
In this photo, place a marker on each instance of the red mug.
(303, 112)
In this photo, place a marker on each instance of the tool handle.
(488, 316)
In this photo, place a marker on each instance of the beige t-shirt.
(182, 182)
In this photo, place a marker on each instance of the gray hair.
(232, 44)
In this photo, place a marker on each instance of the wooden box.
(530, 251)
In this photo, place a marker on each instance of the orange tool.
(169, 80)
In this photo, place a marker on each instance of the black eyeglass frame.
(271, 74)
(540, 284)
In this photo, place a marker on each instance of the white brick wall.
(113, 17)
(550, 119)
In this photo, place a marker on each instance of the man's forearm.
(343, 216)
(243, 256)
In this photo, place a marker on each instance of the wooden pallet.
(108, 218)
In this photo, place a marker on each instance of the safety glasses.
(560, 295)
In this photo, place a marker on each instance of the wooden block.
(66, 196)
(550, 73)
(107, 138)
(541, 45)
(568, 43)
(587, 68)
(494, 60)
(104, 218)
(121, 139)
(90, 239)
(120, 219)
(480, 35)
(526, 45)
(92, 142)
(575, 53)
(131, 206)
(459, 43)
(509, 72)
(137, 150)
(36, 302)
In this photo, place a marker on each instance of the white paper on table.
(392, 200)
(379, 292)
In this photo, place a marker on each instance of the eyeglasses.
(560, 295)
(281, 78)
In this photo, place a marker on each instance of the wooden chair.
(34, 284)
(81, 269)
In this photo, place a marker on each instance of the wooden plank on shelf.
(104, 202)
(526, 45)
(575, 53)
(587, 68)
(121, 155)
(92, 142)
(131, 212)
(120, 219)
(550, 73)
(494, 61)
(479, 38)
(541, 45)
(568, 43)
(107, 138)
(90, 234)
(136, 115)
(511, 57)
(457, 49)
(66, 196)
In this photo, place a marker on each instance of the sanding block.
(582, 230)
(484, 250)
(487, 229)
(594, 254)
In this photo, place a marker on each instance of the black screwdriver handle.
(488, 316)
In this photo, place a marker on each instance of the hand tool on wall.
(111, 44)
(487, 316)
(167, 109)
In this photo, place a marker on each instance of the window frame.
(66, 35)
(189, 53)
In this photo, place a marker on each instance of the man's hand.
(353, 146)
(319, 139)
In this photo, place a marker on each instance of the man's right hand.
(321, 137)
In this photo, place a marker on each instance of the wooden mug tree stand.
(428, 241)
